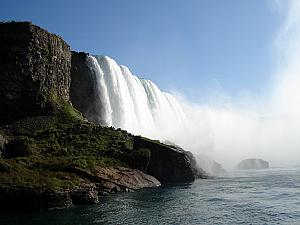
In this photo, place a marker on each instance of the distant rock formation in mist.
(247, 164)
(210, 166)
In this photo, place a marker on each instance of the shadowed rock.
(247, 164)
(169, 164)
(34, 68)
(210, 166)
(84, 93)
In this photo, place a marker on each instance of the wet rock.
(87, 195)
(115, 179)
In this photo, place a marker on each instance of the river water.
(241, 197)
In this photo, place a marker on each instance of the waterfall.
(131, 103)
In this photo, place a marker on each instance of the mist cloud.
(271, 129)
(227, 131)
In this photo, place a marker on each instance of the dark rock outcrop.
(26, 199)
(168, 164)
(84, 93)
(34, 66)
(198, 171)
(86, 195)
(247, 164)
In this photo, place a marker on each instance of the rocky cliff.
(83, 91)
(50, 156)
(34, 67)
(168, 164)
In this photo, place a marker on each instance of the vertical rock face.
(34, 66)
(83, 91)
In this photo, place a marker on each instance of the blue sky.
(197, 47)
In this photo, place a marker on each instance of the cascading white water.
(227, 135)
(101, 94)
(134, 104)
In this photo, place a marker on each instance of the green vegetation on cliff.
(41, 150)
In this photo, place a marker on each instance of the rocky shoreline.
(42, 176)
(108, 180)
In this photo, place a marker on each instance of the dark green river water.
(243, 197)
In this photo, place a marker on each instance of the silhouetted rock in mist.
(210, 166)
(247, 164)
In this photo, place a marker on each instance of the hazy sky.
(197, 47)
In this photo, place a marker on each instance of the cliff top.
(6, 26)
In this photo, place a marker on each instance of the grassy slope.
(41, 149)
